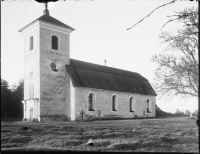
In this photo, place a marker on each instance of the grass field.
(138, 135)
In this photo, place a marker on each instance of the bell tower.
(46, 52)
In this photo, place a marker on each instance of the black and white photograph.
(100, 76)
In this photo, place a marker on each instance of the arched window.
(54, 42)
(31, 90)
(31, 43)
(91, 102)
(132, 104)
(114, 103)
(148, 106)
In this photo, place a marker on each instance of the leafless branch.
(168, 22)
(151, 13)
(178, 69)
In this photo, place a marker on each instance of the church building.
(57, 87)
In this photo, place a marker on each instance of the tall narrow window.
(31, 91)
(31, 43)
(148, 106)
(91, 102)
(114, 103)
(54, 42)
(132, 104)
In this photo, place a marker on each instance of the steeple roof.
(49, 20)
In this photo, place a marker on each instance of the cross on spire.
(46, 11)
(46, 6)
(105, 62)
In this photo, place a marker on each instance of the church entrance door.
(31, 113)
(99, 114)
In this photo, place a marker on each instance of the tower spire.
(46, 11)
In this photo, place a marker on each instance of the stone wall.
(103, 102)
(53, 89)
(50, 118)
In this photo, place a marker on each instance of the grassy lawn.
(138, 135)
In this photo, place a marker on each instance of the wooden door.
(31, 113)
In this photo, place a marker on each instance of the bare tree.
(178, 68)
(188, 86)
(177, 17)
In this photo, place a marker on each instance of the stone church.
(58, 87)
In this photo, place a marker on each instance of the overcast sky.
(101, 33)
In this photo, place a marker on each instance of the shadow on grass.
(11, 145)
(62, 143)
(20, 139)
(124, 146)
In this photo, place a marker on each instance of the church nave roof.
(84, 74)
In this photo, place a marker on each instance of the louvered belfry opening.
(114, 103)
(54, 42)
(91, 102)
(31, 43)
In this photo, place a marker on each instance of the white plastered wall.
(72, 98)
(104, 100)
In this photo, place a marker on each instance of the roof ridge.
(48, 19)
(143, 78)
(59, 22)
(108, 72)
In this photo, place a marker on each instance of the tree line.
(11, 105)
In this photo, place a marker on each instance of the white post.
(34, 109)
(32, 105)
(190, 114)
(72, 99)
(37, 108)
(24, 109)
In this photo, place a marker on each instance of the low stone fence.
(49, 118)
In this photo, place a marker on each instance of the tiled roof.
(51, 20)
(84, 74)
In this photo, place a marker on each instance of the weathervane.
(46, 11)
